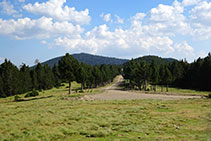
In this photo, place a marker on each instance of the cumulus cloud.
(119, 20)
(200, 16)
(41, 28)
(8, 8)
(138, 16)
(184, 49)
(57, 10)
(106, 17)
(147, 33)
(170, 19)
(190, 2)
(128, 42)
(201, 13)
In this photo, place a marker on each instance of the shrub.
(209, 95)
(32, 94)
(17, 98)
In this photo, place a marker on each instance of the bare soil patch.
(114, 92)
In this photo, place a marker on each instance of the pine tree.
(35, 84)
(10, 77)
(40, 76)
(25, 78)
(68, 68)
(56, 75)
(2, 94)
(162, 76)
(168, 77)
(48, 78)
(154, 74)
(82, 75)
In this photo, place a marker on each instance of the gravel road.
(114, 92)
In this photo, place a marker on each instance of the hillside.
(98, 60)
(90, 59)
(158, 60)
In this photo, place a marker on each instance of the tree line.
(195, 75)
(14, 80)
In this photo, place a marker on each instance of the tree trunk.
(151, 89)
(167, 88)
(145, 85)
(161, 88)
(154, 88)
(82, 86)
(139, 86)
(69, 87)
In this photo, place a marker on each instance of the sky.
(44, 29)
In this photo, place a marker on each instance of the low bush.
(209, 95)
(32, 94)
(17, 98)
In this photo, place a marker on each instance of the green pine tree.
(68, 68)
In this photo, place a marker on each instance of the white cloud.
(119, 20)
(41, 28)
(106, 17)
(147, 33)
(170, 19)
(184, 49)
(201, 13)
(125, 42)
(200, 17)
(43, 42)
(8, 8)
(190, 2)
(166, 13)
(57, 10)
(138, 16)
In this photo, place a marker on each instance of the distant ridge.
(89, 59)
(156, 59)
(98, 60)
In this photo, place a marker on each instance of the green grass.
(51, 116)
(177, 91)
(184, 91)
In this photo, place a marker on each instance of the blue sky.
(35, 29)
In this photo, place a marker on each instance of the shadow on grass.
(34, 98)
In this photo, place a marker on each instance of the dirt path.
(114, 92)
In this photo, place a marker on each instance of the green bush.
(17, 98)
(209, 95)
(32, 94)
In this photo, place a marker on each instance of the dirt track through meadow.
(114, 92)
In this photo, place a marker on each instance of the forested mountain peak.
(158, 60)
(90, 60)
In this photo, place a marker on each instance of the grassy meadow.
(56, 116)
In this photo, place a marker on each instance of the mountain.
(89, 59)
(158, 60)
(98, 60)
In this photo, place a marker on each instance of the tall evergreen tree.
(2, 94)
(40, 76)
(48, 78)
(56, 75)
(10, 77)
(25, 78)
(154, 74)
(68, 68)
(162, 76)
(82, 75)
(168, 77)
(35, 84)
